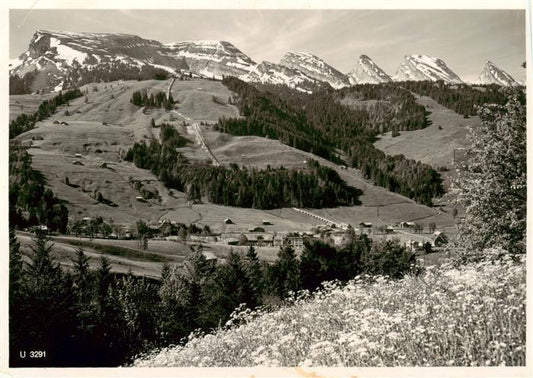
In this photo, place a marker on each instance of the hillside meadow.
(473, 315)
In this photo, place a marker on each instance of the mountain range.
(55, 57)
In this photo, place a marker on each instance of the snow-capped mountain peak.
(212, 58)
(272, 73)
(366, 71)
(492, 74)
(314, 67)
(424, 67)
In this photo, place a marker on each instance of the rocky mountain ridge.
(56, 58)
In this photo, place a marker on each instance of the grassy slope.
(86, 134)
(431, 145)
(98, 143)
(27, 103)
(470, 316)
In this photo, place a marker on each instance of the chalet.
(228, 221)
(296, 242)
(365, 225)
(78, 155)
(77, 162)
(266, 222)
(64, 123)
(406, 224)
(139, 198)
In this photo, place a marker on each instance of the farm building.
(407, 224)
(296, 242)
(439, 239)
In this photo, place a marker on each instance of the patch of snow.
(67, 53)
(14, 63)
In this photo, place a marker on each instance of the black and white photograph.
(294, 188)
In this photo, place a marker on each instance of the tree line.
(92, 317)
(290, 116)
(30, 204)
(269, 188)
(390, 107)
(26, 122)
(461, 98)
(139, 98)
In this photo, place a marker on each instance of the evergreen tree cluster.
(389, 106)
(30, 204)
(113, 71)
(327, 124)
(92, 317)
(461, 98)
(160, 99)
(242, 187)
(268, 115)
(25, 122)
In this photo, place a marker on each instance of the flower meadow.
(472, 315)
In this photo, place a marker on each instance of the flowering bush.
(473, 315)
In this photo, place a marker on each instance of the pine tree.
(15, 265)
(85, 307)
(255, 272)
(172, 323)
(18, 302)
(232, 288)
(284, 274)
(50, 316)
(318, 263)
(43, 268)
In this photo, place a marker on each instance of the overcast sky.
(464, 39)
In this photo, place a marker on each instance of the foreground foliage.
(98, 318)
(492, 182)
(473, 315)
